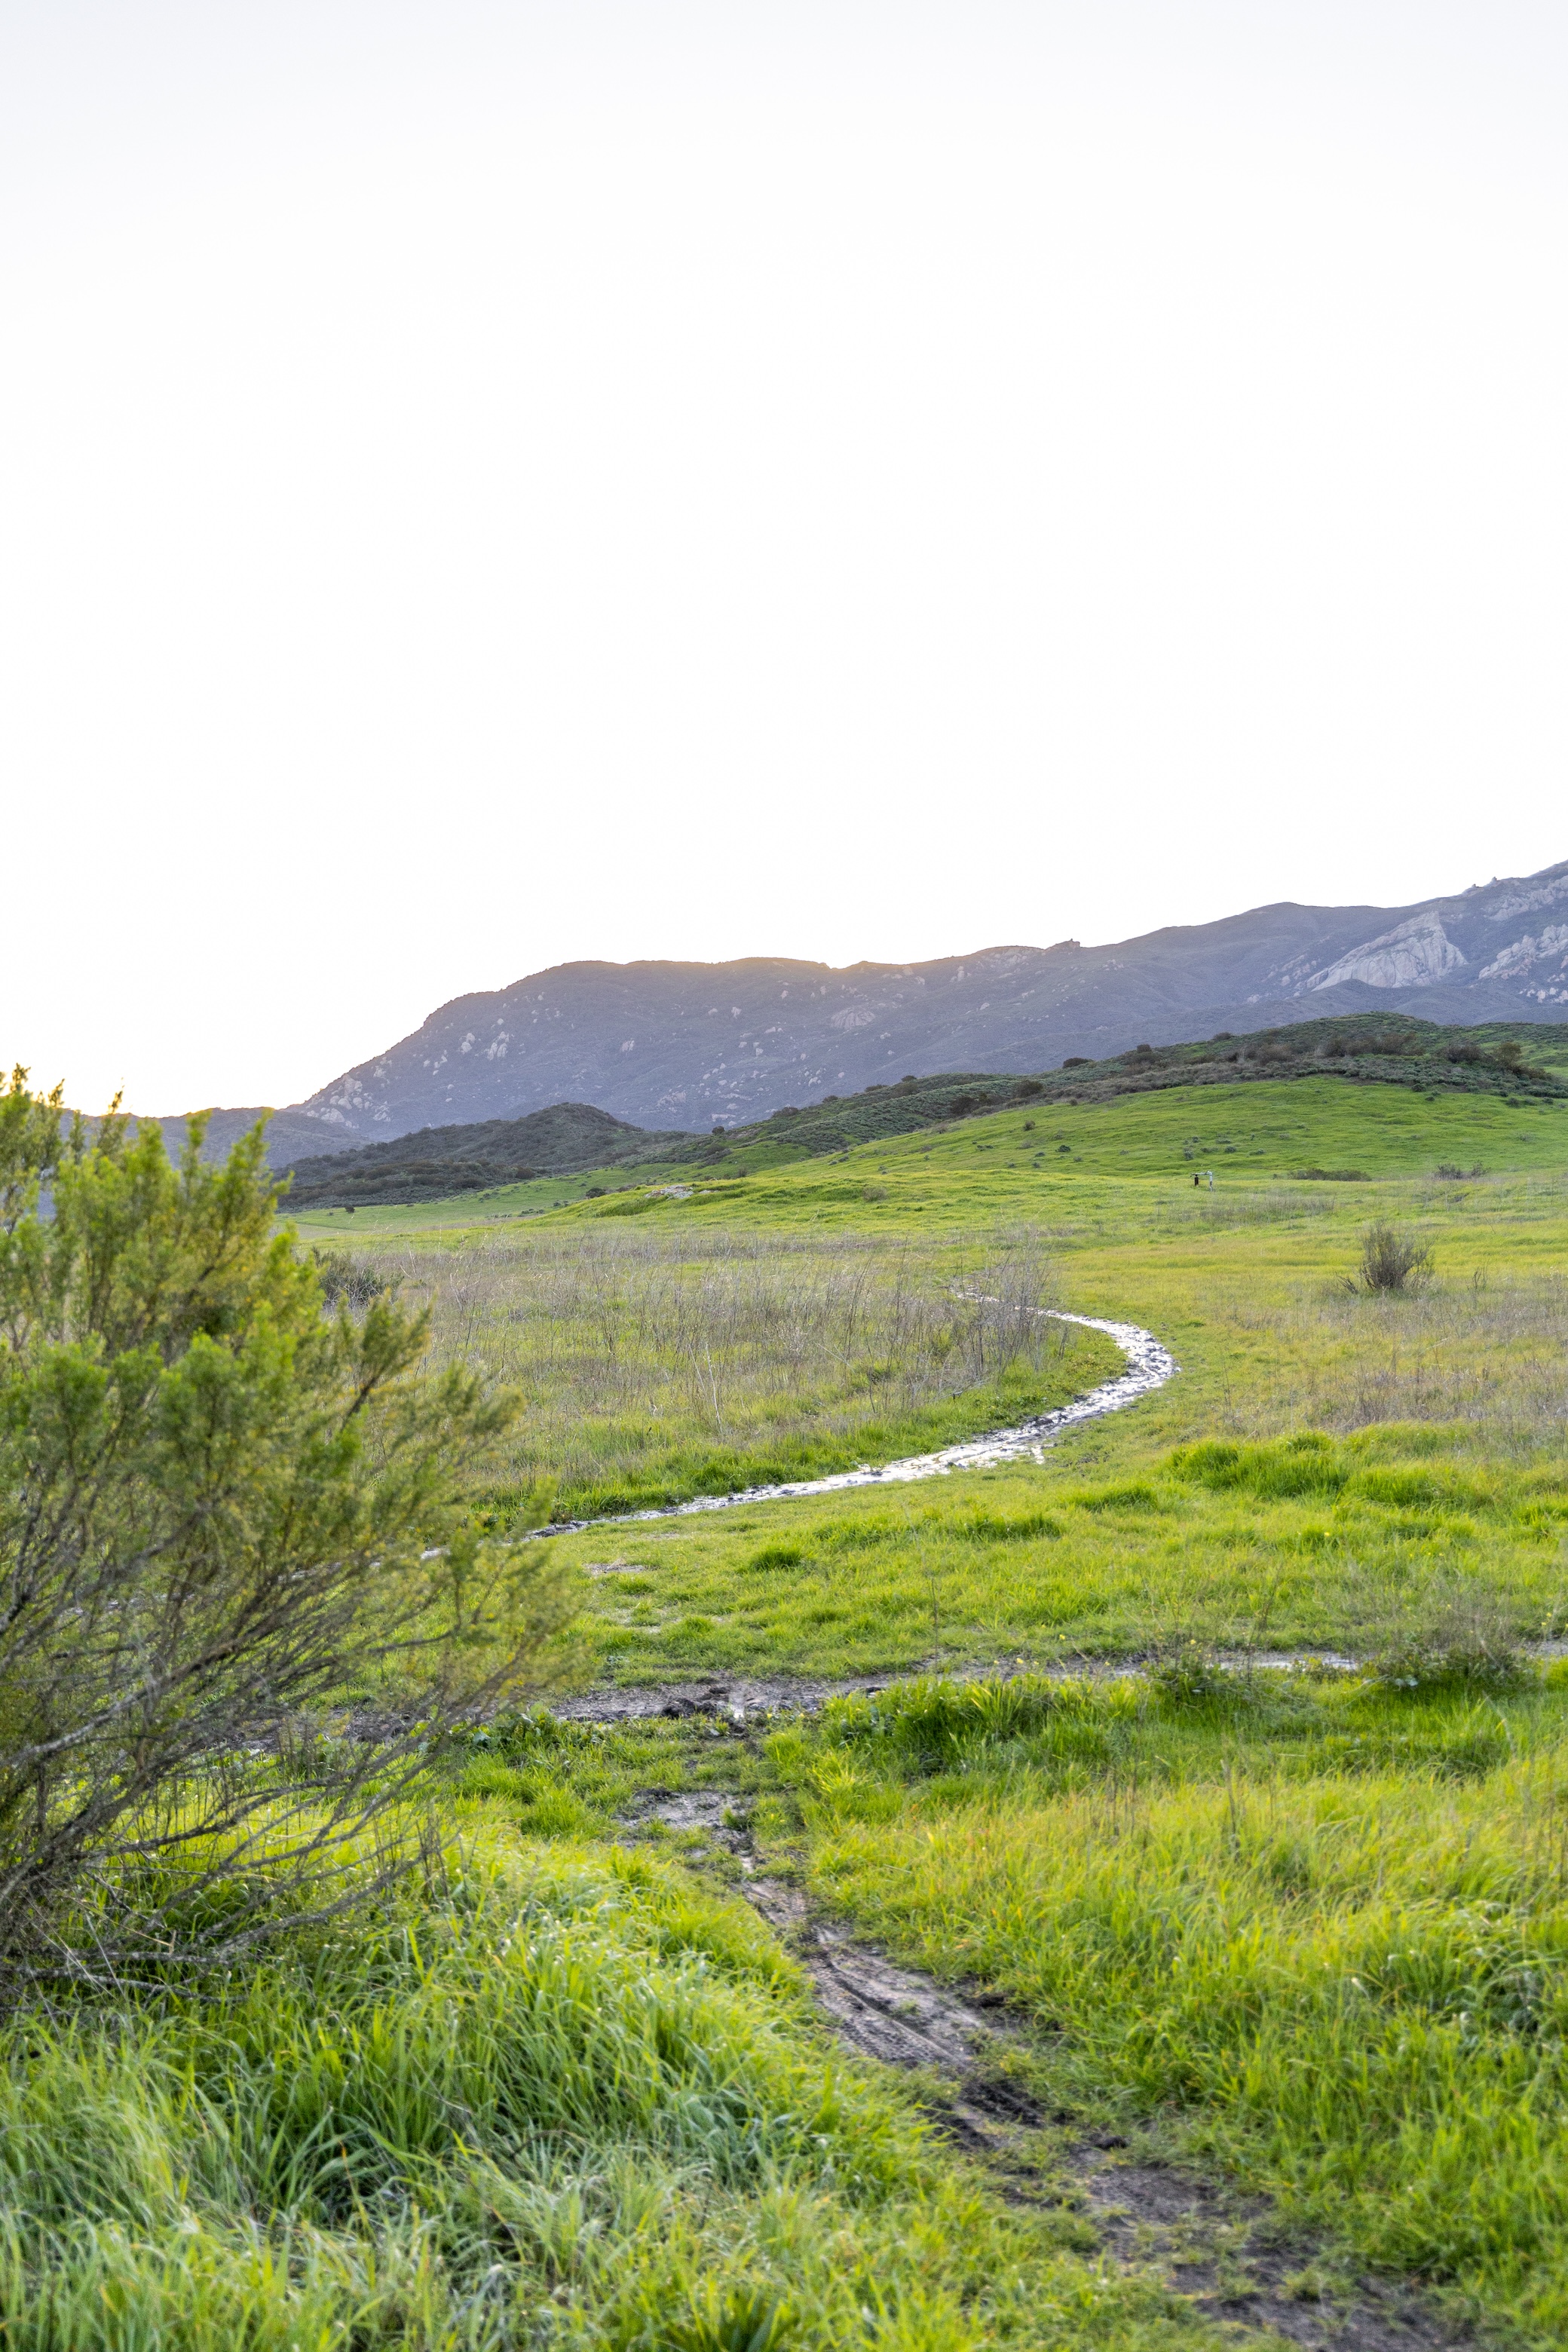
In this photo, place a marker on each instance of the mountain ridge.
(684, 1045)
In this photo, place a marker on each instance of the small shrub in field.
(1392, 1261)
(346, 1279)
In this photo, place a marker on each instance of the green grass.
(656, 1366)
(1306, 1932)
(1016, 1159)
(1317, 1937)
(1247, 1286)
(568, 2098)
(1309, 1930)
(1029, 1564)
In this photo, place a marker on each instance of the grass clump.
(1455, 1636)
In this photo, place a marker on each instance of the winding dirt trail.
(1150, 1364)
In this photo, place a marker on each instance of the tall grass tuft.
(566, 2101)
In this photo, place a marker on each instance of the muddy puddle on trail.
(740, 1698)
(1227, 2256)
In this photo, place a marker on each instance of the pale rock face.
(1522, 955)
(1412, 955)
(1530, 899)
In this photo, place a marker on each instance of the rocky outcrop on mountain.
(1412, 955)
(686, 1046)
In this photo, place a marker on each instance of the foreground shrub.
(220, 1509)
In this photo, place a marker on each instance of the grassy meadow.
(779, 1325)
(1261, 1848)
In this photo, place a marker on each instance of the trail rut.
(1226, 2255)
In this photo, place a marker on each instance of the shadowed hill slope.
(441, 1160)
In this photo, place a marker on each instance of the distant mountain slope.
(682, 1045)
(289, 1134)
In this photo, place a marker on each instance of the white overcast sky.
(485, 485)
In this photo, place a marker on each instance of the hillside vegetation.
(441, 1161)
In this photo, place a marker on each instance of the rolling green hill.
(1364, 1077)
